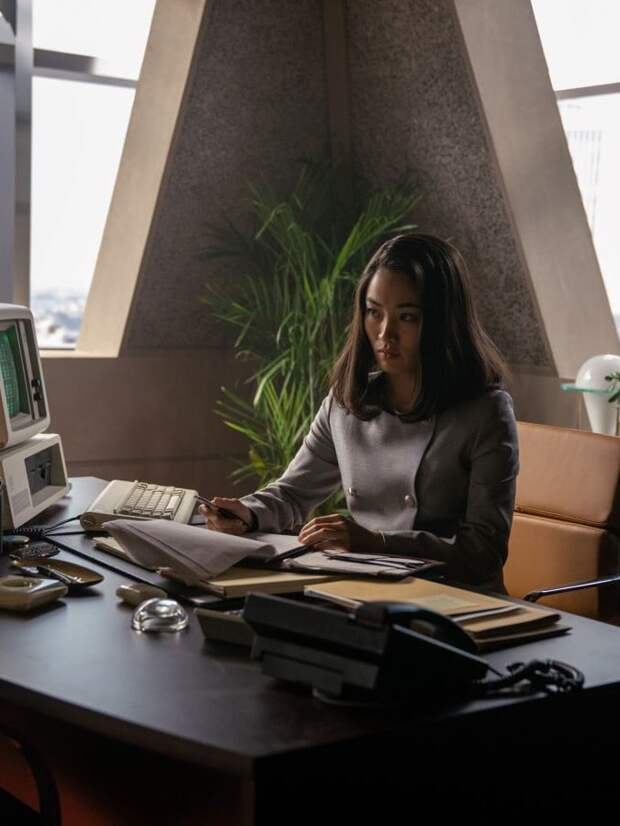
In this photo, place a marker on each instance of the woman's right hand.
(215, 521)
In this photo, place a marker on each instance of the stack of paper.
(192, 554)
(492, 621)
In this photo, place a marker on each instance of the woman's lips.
(388, 354)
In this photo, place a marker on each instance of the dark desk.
(224, 729)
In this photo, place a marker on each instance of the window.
(579, 41)
(87, 58)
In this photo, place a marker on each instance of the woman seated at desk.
(416, 428)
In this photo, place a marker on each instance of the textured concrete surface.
(256, 104)
(415, 112)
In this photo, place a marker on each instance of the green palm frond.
(289, 304)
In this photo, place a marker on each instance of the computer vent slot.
(20, 501)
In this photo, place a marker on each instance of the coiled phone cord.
(548, 676)
(43, 532)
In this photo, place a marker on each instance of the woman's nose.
(387, 329)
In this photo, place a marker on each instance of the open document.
(364, 565)
(193, 554)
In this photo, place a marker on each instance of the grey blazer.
(442, 488)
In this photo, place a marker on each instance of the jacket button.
(409, 501)
(352, 491)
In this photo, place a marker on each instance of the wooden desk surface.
(80, 662)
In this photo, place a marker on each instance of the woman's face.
(393, 321)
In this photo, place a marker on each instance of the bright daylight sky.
(78, 134)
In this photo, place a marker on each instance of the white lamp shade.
(591, 376)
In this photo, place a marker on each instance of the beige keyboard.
(139, 500)
(151, 501)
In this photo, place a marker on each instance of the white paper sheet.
(192, 553)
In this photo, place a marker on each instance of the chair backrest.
(569, 474)
(567, 516)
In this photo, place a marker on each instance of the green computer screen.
(12, 370)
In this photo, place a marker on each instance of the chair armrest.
(534, 596)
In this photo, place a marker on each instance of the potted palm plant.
(291, 303)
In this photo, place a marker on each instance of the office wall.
(146, 417)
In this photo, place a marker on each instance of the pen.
(223, 511)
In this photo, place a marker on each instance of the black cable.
(32, 532)
(40, 531)
(548, 676)
(64, 522)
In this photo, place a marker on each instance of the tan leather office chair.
(566, 526)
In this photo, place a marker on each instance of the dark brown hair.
(458, 360)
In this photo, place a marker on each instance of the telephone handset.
(383, 651)
(424, 621)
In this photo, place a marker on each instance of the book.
(491, 621)
(241, 581)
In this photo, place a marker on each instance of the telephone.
(382, 652)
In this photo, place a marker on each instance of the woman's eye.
(371, 311)
(410, 317)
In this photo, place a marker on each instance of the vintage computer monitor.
(32, 464)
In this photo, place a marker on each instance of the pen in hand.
(224, 512)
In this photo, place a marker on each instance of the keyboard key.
(151, 501)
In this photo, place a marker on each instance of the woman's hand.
(337, 532)
(215, 521)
